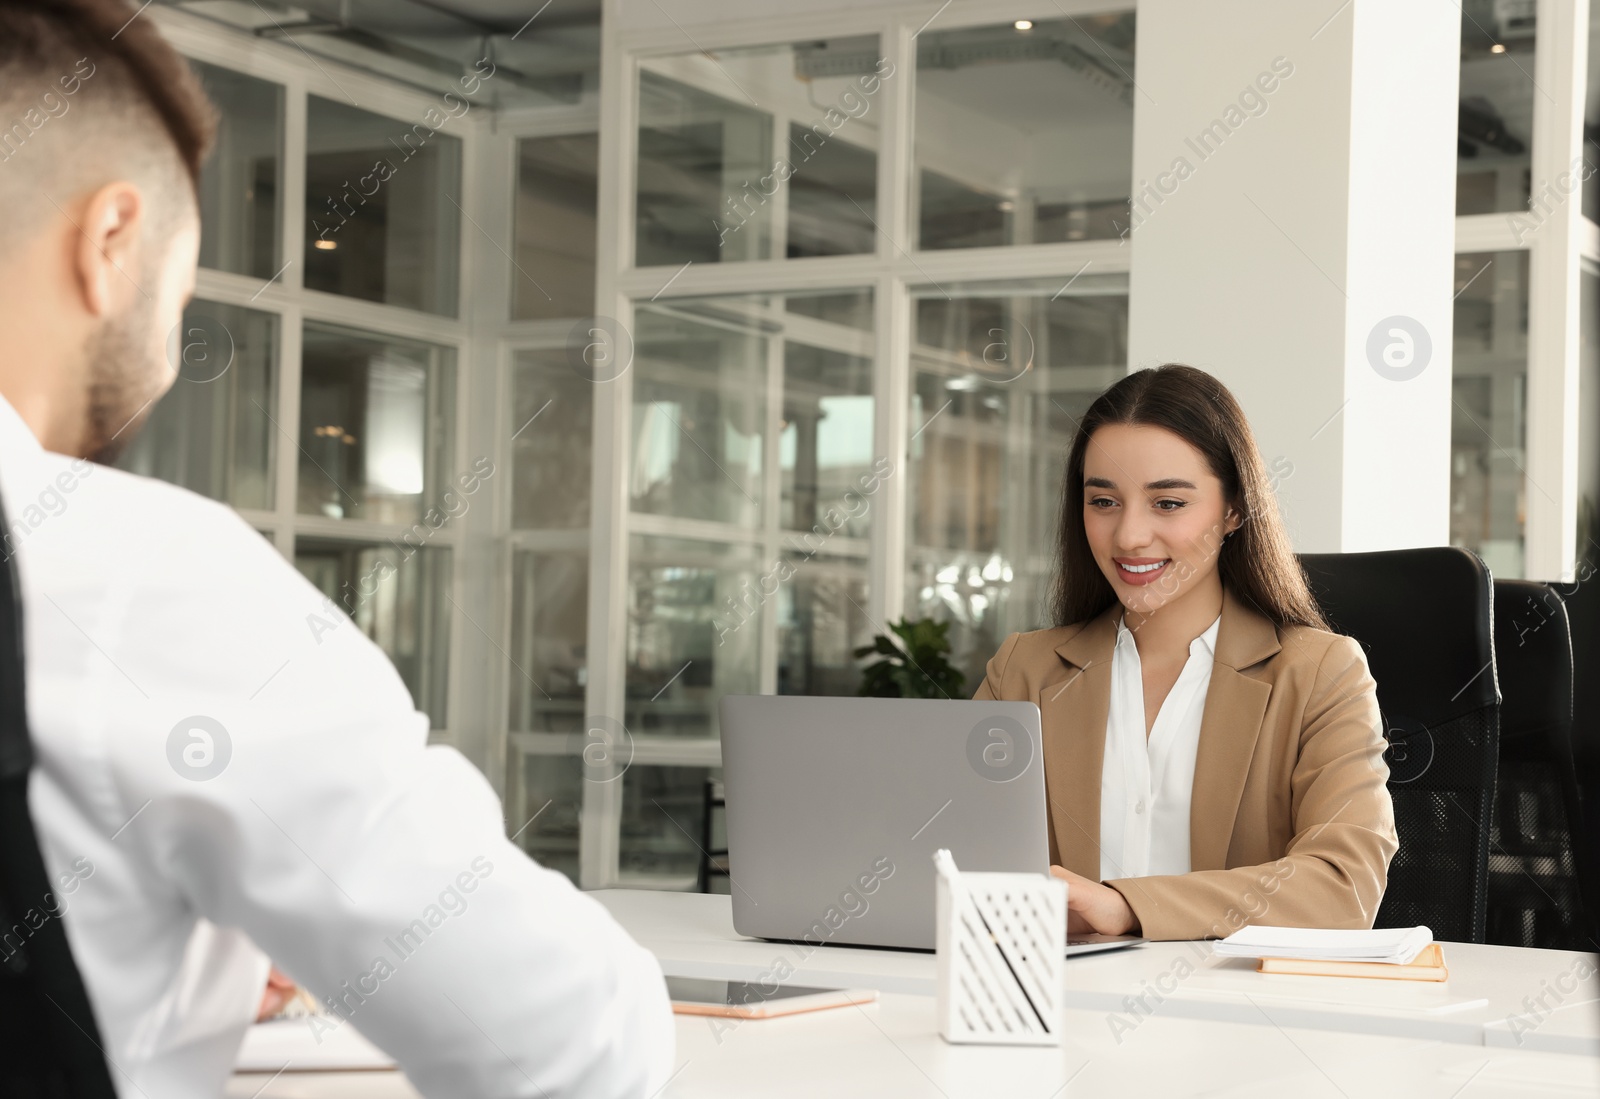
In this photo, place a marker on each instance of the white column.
(1294, 178)
(599, 839)
(1556, 207)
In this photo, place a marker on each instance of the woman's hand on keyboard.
(1093, 907)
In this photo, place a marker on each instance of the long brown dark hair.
(1256, 563)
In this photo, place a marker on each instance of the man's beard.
(122, 387)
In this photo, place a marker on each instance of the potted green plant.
(916, 667)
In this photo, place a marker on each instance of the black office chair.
(1582, 600)
(52, 1047)
(1534, 892)
(1424, 617)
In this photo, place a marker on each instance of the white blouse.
(1146, 783)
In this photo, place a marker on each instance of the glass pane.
(825, 454)
(1024, 136)
(1497, 93)
(375, 428)
(544, 803)
(694, 612)
(1591, 122)
(241, 183)
(549, 634)
(1488, 425)
(549, 627)
(713, 187)
(382, 220)
(663, 814)
(213, 432)
(699, 410)
(822, 617)
(1588, 540)
(552, 427)
(1000, 377)
(396, 595)
(557, 183)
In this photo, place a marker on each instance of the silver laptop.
(835, 807)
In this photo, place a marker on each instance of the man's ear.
(107, 253)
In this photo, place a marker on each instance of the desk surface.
(1487, 1000)
(890, 1048)
(1214, 1028)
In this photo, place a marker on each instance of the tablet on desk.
(749, 1000)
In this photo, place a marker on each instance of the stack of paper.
(1391, 945)
(290, 1045)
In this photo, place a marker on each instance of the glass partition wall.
(691, 383)
(1001, 373)
(321, 365)
(867, 282)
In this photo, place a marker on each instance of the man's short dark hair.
(90, 92)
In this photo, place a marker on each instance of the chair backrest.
(1534, 890)
(52, 1047)
(1582, 599)
(1425, 619)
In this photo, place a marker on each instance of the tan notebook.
(1426, 966)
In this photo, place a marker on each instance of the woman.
(1213, 755)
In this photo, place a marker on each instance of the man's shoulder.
(120, 514)
(77, 527)
(179, 589)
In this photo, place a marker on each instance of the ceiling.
(542, 55)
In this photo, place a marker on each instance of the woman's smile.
(1141, 570)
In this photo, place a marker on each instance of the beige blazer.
(1290, 823)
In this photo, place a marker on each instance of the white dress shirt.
(1146, 783)
(316, 828)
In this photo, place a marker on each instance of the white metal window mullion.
(778, 219)
(846, 21)
(822, 274)
(1554, 280)
(1488, 233)
(383, 322)
(503, 557)
(288, 285)
(471, 612)
(601, 815)
(286, 449)
(768, 518)
(891, 310)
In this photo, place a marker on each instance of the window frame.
(890, 271)
(286, 296)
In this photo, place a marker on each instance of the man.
(221, 777)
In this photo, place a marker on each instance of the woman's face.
(1154, 513)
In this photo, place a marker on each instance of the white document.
(292, 1045)
(1394, 945)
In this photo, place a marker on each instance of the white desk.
(890, 1049)
(692, 936)
(1221, 1028)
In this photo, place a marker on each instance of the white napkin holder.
(1001, 943)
